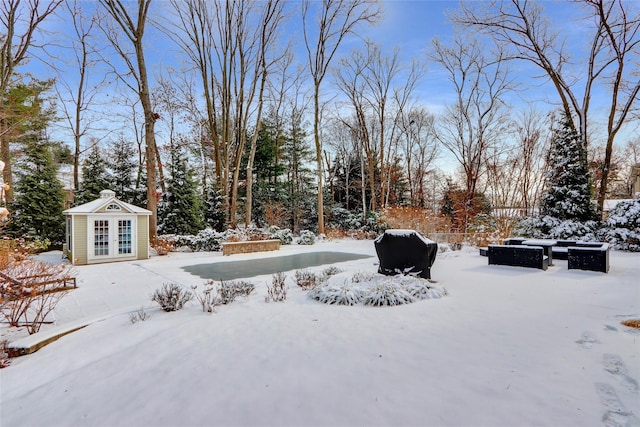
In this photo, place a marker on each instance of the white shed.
(106, 230)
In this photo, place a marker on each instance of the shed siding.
(80, 244)
(143, 236)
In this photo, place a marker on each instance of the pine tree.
(123, 170)
(181, 211)
(95, 177)
(37, 209)
(297, 155)
(214, 214)
(569, 194)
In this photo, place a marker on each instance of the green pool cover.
(230, 270)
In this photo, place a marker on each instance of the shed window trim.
(113, 207)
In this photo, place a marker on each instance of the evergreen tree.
(214, 214)
(39, 198)
(95, 177)
(569, 194)
(123, 170)
(301, 190)
(37, 209)
(268, 189)
(181, 211)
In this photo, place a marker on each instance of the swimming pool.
(230, 270)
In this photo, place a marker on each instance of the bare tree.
(349, 78)
(231, 46)
(473, 126)
(335, 20)
(529, 158)
(521, 26)
(418, 145)
(20, 20)
(285, 94)
(272, 17)
(78, 93)
(132, 24)
(378, 88)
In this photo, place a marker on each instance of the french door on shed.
(111, 237)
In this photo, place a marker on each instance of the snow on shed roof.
(106, 198)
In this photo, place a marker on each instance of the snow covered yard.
(507, 347)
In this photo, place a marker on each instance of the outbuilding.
(106, 230)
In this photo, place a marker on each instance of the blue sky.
(409, 25)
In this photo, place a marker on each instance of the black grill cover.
(405, 252)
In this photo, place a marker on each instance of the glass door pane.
(124, 237)
(101, 238)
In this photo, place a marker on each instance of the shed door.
(111, 237)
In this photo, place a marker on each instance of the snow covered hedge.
(547, 227)
(621, 229)
(209, 240)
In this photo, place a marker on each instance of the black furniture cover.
(405, 252)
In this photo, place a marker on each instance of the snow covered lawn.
(507, 346)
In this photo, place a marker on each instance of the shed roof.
(106, 197)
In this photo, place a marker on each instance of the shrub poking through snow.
(307, 280)
(163, 246)
(139, 315)
(171, 296)
(4, 355)
(387, 293)
(331, 271)
(229, 291)
(306, 238)
(277, 292)
(455, 246)
(362, 276)
(208, 299)
(339, 294)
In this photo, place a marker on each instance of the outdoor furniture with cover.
(405, 252)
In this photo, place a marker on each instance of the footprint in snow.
(616, 415)
(615, 366)
(587, 340)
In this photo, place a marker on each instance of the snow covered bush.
(342, 219)
(387, 293)
(283, 234)
(171, 296)
(421, 289)
(344, 293)
(207, 240)
(307, 280)
(331, 271)
(306, 237)
(362, 276)
(547, 227)
(622, 227)
(277, 292)
(229, 291)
